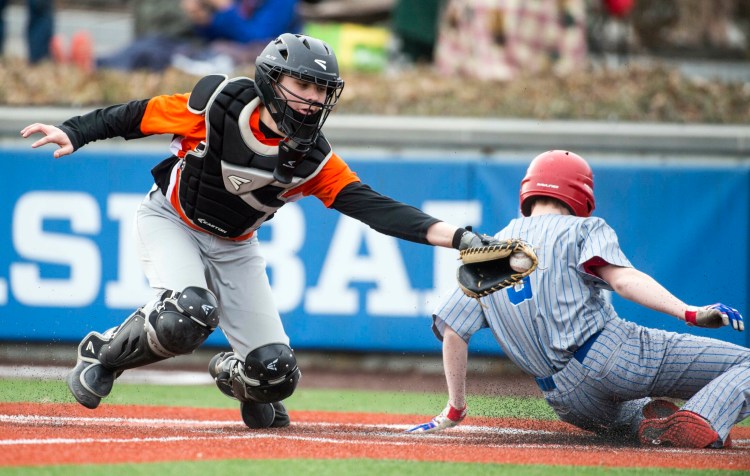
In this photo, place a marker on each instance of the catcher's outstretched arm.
(393, 218)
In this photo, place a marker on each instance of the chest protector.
(226, 185)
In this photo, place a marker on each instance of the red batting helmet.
(562, 175)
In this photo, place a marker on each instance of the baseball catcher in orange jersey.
(240, 150)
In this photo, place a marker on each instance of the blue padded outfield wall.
(68, 266)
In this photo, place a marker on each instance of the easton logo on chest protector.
(237, 182)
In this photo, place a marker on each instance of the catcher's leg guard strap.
(178, 324)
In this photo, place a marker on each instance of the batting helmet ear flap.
(562, 175)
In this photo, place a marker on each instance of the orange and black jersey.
(336, 185)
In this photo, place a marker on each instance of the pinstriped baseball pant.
(629, 363)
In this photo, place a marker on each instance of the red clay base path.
(49, 434)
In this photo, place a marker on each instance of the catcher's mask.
(307, 59)
(562, 175)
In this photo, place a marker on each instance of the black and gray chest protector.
(227, 185)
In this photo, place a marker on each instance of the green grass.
(306, 467)
(207, 396)
(424, 403)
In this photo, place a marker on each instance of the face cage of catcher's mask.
(303, 128)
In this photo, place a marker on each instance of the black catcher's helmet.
(305, 58)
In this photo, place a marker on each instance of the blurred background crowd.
(484, 40)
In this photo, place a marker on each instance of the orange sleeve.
(334, 176)
(169, 115)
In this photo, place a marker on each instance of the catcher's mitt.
(487, 269)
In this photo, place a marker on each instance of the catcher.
(596, 370)
(241, 149)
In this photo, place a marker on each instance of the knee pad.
(270, 373)
(178, 324)
(182, 321)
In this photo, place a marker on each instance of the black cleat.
(220, 369)
(257, 415)
(89, 383)
(264, 415)
(281, 420)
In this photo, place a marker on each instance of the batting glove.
(714, 316)
(448, 418)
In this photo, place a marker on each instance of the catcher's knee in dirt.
(178, 324)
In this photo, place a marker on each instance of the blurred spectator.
(236, 30)
(609, 27)
(162, 17)
(710, 28)
(39, 28)
(220, 35)
(415, 24)
(618, 8)
(501, 39)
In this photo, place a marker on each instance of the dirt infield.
(46, 434)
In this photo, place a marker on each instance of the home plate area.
(47, 434)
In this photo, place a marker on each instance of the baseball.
(519, 262)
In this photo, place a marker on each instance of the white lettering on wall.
(383, 266)
(282, 258)
(131, 289)
(356, 255)
(78, 253)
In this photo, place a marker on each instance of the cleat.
(220, 370)
(659, 409)
(89, 383)
(258, 415)
(264, 415)
(281, 419)
(683, 429)
(718, 444)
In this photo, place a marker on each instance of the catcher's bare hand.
(714, 316)
(448, 418)
(52, 135)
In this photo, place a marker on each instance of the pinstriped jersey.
(543, 320)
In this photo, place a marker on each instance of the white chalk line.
(399, 438)
(173, 423)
